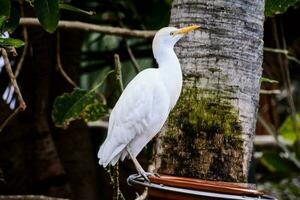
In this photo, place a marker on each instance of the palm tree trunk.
(210, 132)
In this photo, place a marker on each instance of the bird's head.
(168, 36)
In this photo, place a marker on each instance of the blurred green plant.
(283, 163)
(280, 164)
(267, 80)
(288, 140)
(47, 12)
(79, 104)
(288, 132)
(286, 189)
(274, 7)
(10, 42)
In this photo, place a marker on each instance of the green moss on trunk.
(203, 138)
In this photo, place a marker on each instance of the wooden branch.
(270, 129)
(269, 91)
(28, 197)
(13, 80)
(11, 116)
(132, 58)
(264, 140)
(124, 32)
(113, 172)
(59, 65)
(24, 52)
(118, 72)
(283, 51)
(143, 196)
(98, 124)
(25, 36)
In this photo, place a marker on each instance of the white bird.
(146, 102)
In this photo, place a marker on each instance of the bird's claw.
(156, 174)
(146, 174)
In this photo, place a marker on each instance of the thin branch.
(98, 124)
(143, 196)
(13, 79)
(25, 36)
(11, 116)
(283, 63)
(11, 51)
(292, 156)
(290, 93)
(269, 91)
(116, 187)
(264, 140)
(59, 65)
(118, 71)
(92, 27)
(117, 193)
(136, 65)
(22, 104)
(283, 51)
(292, 58)
(113, 172)
(116, 183)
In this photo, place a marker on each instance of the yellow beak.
(186, 29)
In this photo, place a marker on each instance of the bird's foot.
(153, 174)
(156, 174)
(147, 174)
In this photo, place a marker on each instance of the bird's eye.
(172, 33)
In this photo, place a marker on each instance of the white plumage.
(146, 102)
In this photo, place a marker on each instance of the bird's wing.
(132, 113)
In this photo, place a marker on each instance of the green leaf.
(74, 9)
(296, 149)
(169, 2)
(2, 21)
(267, 80)
(287, 132)
(5, 7)
(275, 163)
(80, 104)
(48, 13)
(273, 7)
(94, 111)
(14, 17)
(4, 13)
(8, 42)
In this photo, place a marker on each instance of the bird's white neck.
(170, 71)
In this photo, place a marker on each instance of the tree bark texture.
(210, 132)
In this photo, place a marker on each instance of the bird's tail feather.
(123, 155)
(108, 153)
(115, 159)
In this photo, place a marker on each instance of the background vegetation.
(36, 157)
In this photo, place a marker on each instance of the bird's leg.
(138, 167)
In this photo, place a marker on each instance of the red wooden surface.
(200, 185)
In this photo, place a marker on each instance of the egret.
(145, 103)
